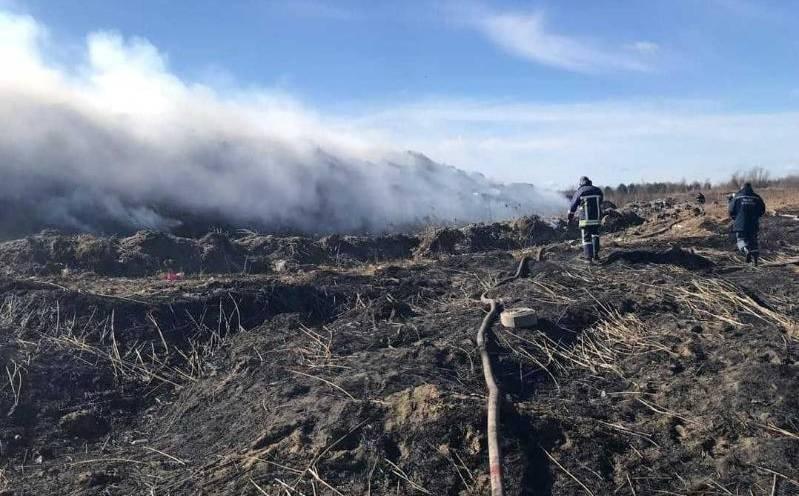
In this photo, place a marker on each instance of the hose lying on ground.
(494, 453)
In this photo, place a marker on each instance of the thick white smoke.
(117, 142)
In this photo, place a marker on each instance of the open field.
(348, 366)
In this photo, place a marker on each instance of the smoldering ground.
(116, 142)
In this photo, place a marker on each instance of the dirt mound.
(618, 220)
(390, 247)
(533, 230)
(218, 254)
(440, 241)
(658, 209)
(51, 253)
(148, 253)
(151, 252)
(672, 256)
(488, 237)
(269, 251)
(91, 253)
(520, 233)
(144, 253)
(342, 249)
(715, 226)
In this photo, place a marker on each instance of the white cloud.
(527, 35)
(618, 141)
(20, 41)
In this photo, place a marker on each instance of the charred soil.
(348, 365)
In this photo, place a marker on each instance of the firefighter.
(588, 199)
(700, 198)
(745, 208)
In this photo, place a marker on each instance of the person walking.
(746, 208)
(588, 199)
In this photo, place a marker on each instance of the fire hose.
(493, 404)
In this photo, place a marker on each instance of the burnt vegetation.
(348, 365)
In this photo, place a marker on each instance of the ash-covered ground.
(348, 365)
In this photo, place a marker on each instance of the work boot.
(588, 252)
(595, 246)
(745, 252)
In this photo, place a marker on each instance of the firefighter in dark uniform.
(588, 199)
(746, 207)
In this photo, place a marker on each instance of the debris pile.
(618, 220)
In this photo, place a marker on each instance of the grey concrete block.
(518, 318)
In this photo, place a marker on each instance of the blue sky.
(539, 91)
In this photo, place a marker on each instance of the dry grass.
(14, 374)
(93, 340)
(124, 367)
(716, 299)
(597, 350)
(779, 197)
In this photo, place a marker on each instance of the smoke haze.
(117, 142)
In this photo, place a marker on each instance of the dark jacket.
(746, 208)
(587, 215)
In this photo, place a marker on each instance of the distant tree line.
(644, 191)
(758, 176)
(657, 188)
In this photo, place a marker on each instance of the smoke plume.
(116, 142)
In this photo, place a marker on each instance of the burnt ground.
(290, 366)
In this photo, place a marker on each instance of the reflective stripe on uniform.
(591, 210)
